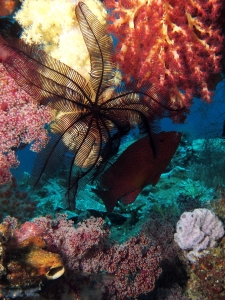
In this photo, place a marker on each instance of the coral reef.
(218, 204)
(16, 201)
(91, 261)
(24, 264)
(21, 122)
(208, 153)
(207, 277)
(91, 117)
(197, 231)
(174, 45)
(161, 232)
(175, 293)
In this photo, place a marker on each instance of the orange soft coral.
(171, 43)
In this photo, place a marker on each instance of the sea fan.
(90, 117)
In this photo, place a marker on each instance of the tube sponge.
(196, 231)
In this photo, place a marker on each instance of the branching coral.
(120, 271)
(21, 122)
(173, 44)
(53, 24)
(91, 262)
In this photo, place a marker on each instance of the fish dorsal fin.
(153, 136)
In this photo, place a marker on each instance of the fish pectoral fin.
(155, 179)
(129, 198)
(109, 198)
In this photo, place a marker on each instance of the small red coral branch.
(173, 44)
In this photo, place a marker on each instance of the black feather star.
(91, 117)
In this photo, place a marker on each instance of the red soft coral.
(173, 44)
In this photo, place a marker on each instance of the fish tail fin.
(109, 198)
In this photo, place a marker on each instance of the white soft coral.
(53, 24)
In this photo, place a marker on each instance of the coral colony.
(21, 122)
(85, 84)
(174, 44)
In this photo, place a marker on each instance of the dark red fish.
(137, 167)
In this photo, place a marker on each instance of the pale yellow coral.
(53, 24)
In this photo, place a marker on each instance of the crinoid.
(91, 117)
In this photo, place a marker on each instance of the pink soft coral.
(21, 121)
(173, 44)
(92, 262)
